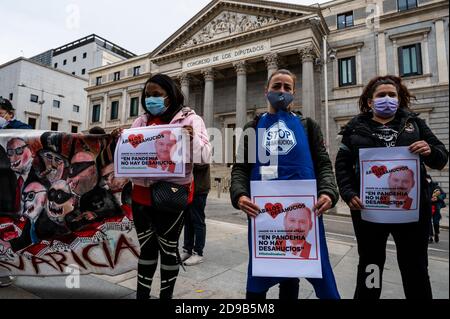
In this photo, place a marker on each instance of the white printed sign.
(153, 151)
(390, 184)
(285, 235)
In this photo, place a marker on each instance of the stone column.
(382, 59)
(123, 115)
(87, 115)
(185, 80)
(394, 49)
(426, 60)
(208, 108)
(307, 55)
(358, 67)
(318, 70)
(441, 51)
(104, 110)
(272, 62)
(241, 94)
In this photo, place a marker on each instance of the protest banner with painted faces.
(390, 184)
(60, 208)
(155, 151)
(285, 241)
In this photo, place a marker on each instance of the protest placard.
(390, 184)
(285, 235)
(153, 151)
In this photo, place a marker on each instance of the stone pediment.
(226, 24)
(223, 19)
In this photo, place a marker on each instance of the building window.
(54, 126)
(410, 60)
(136, 70)
(345, 20)
(96, 113)
(56, 104)
(114, 110)
(11, 96)
(34, 98)
(98, 80)
(32, 122)
(74, 129)
(73, 72)
(134, 107)
(406, 4)
(74, 59)
(65, 62)
(83, 71)
(116, 76)
(76, 109)
(84, 55)
(347, 71)
(56, 65)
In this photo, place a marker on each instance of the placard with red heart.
(274, 209)
(136, 140)
(379, 171)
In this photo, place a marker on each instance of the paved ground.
(223, 274)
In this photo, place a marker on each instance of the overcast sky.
(32, 27)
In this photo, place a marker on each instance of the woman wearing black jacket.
(386, 121)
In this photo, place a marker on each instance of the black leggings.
(411, 241)
(158, 232)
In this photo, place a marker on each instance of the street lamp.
(328, 55)
(41, 90)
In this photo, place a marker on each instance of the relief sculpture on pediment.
(226, 24)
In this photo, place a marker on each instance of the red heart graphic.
(274, 209)
(136, 140)
(379, 170)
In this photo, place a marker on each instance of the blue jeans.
(324, 287)
(194, 225)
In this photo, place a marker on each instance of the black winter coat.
(357, 135)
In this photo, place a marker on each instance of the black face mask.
(77, 168)
(58, 196)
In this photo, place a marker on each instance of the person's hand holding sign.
(323, 204)
(355, 203)
(420, 147)
(248, 207)
(190, 131)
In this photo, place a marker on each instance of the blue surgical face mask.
(385, 107)
(3, 122)
(155, 105)
(280, 100)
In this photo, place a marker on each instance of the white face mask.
(3, 122)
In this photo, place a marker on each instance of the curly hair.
(404, 96)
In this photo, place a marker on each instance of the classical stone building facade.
(223, 56)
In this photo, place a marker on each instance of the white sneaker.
(185, 255)
(6, 281)
(194, 260)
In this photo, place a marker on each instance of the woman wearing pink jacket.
(157, 209)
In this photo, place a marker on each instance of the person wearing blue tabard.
(302, 156)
